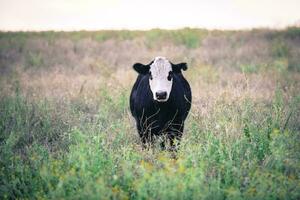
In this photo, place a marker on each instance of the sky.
(68, 15)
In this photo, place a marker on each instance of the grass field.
(66, 131)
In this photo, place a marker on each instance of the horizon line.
(154, 28)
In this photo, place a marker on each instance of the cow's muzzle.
(161, 95)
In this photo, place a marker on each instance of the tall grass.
(66, 130)
(239, 151)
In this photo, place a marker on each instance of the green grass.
(190, 38)
(66, 130)
(43, 155)
(34, 60)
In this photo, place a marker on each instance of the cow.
(160, 101)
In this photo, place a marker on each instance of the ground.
(66, 131)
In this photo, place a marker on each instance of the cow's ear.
(140, 68)
(178, 67)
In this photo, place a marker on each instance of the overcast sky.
(141, 14)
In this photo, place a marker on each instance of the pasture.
(66, 131)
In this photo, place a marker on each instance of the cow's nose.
(161, 95)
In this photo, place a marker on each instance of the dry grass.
(64, 103)
(62, 67)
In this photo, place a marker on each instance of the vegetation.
(66, 130)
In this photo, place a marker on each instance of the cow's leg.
(174, 136)
(163, 144)
(146, 137)
(141, 133)
(174, 139)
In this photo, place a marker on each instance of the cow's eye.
(170, 76)
(150, 76)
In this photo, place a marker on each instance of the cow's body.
(154, 118)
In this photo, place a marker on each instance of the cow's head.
(160, 72)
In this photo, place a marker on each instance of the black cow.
(160, 100)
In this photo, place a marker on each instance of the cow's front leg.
(175, 135)
(147, 138)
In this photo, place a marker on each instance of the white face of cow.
(160, 72)
(161, 79)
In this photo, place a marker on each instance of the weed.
(66, 132)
